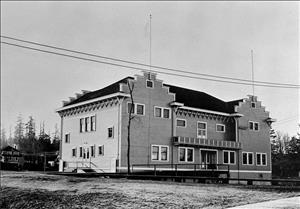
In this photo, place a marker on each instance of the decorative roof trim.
(119, 94)
(210, 111)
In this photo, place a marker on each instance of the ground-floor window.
(80, 151)
(92, 151)
(261, 159)
(228, 157)
(159, 153)
(186, 154)
(101, 150)
(74, 152)
(247, 158)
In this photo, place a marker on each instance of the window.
(186, 154)
(74, 152)
(261, 159)
(130, 108)
(161, 112)
(253, 104)
(166, 113)
(253, 126)
(181, 123)
(157, 112)
(160, 152)
(228, 157)
(92, 151)
(110, 132)
(87, 122)
(149, 84)
(220, 128)
(247, 158)
(201, 130)
(67, 138)
(80, 151)
(93, 123)
(138, 109)
(101, 150)
(81, 125)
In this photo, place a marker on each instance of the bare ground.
(37, 190)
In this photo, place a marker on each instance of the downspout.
(173, 128)
(61, 141)
(118, 152)
(237, 140)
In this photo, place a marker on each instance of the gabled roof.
(9, 148)
(201, 100)
(189, 97)
(113, 88)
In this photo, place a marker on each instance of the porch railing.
(176, 168)
(180, 140)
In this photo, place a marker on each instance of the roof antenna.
(252, 73)
(150, 44)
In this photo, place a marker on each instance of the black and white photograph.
(150, 104)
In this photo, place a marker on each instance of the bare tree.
(130, 117)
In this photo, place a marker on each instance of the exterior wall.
(105, 117)
(254, 141)
(146, 130)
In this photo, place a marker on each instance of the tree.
(44, 141)
(3, 138)
(55, 139)
(130, 117)
(19, 131)
(29, 143)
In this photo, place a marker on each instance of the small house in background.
(11, 158)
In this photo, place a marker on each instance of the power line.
(148, 66)
(142, 69)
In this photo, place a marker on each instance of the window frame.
(112, 132)
(261, 159)
(69, 138)
(199, 136)
(162, 112)
(229, 158)
(135, 108)
(247, 154)
(181, 120)
(74, 152)
(254, 122)
(102, 148)
(186, 155)
(160, 153)
(150, 87)
(93, 124)
(223, 125)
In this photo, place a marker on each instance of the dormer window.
(149, 84)
(253, 104)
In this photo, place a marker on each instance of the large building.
(171, 126)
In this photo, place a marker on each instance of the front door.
(86, 156)
(208, 159)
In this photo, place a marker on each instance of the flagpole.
(150, 43)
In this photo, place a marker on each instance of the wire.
(143, 69)
(145, 65)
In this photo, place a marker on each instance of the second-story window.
(138, 109)
(201, 130)
(93, 123)
(67, 138)
(180, 123)
(110, 133)
(81, 125)
(254, 126)
(160, 112)
(220, 128)
(87, 122)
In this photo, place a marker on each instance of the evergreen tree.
(19, 131)
(3, 138)
(55, 139)
(44, 140)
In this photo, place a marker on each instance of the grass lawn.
(37, 190)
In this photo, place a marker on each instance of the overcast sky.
(205, 37)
